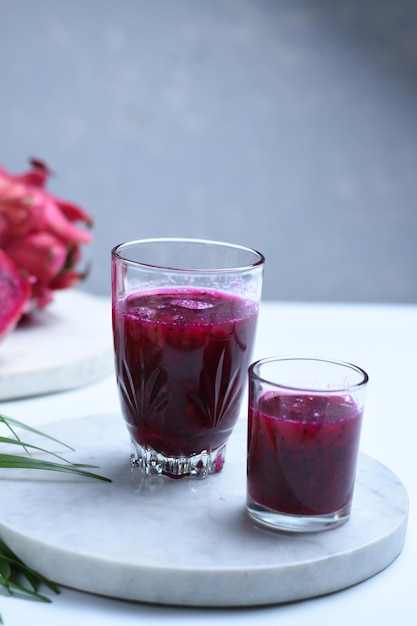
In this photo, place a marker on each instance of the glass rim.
(259, 262)
(338, 389)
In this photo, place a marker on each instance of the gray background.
(286, 125)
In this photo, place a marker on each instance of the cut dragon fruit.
(15, 292)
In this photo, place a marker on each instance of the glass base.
(194, 466)
(296, 523)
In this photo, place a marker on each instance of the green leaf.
(26, 446)
(15, 461)
(14, 573)
(5, 570)
(15, 576)
(9, 422)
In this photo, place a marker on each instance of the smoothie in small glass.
(304, 425)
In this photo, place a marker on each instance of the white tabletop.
(380, 338)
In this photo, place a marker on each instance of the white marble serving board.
(65, 345)
(187, 542)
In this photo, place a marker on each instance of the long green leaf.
(16, 461)
(10, 421)
(12, 568)
(27, 446)
(13, 560)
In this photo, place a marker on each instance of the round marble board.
(65, 345)
(186, 542)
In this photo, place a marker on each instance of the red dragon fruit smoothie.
(184, 315)
(302, 455)
(182, 359)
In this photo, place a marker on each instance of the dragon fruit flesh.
(39, 243)
(14, 294)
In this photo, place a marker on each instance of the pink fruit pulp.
(15, 290)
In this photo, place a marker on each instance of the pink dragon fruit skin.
(25, 207)
(39, 254)
(39, 239)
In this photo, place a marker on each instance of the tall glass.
(304, 427)
(184, 315)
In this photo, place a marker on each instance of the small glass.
(304, 427)
(184, 315)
